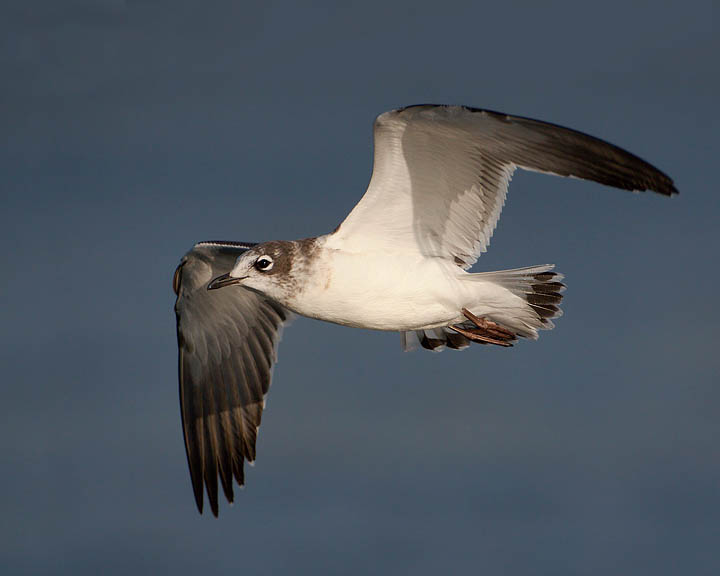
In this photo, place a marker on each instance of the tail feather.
(539, 294)
(539, 287)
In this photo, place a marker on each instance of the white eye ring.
(264, 263)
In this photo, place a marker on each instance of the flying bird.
(398, 262)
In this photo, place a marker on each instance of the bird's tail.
(517, 303)
(527, 298)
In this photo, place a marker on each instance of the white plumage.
(388, 289)
(398, 262)
(435, 190)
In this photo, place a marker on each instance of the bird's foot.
(485, 331)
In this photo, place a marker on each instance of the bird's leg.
(491, 327)
(486, 331)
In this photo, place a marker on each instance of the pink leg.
(486, 331)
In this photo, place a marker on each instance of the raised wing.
(227, 341)
(441, 174)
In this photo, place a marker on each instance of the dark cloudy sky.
(130, 130)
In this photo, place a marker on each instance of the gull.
(398, 262)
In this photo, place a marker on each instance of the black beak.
(224, 280)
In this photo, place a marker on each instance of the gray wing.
(441, 175)
(227, 341)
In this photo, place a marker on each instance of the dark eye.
(264, 263)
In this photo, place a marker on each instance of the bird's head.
(265, 268)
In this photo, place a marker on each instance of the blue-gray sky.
(130, 130)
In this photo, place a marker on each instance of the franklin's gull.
(398, 262)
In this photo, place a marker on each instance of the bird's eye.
(264, 263)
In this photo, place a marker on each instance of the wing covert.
(441, 174)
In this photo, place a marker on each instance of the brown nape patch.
(306, 246)
(289, 260)
(280, 251)
(285, 254)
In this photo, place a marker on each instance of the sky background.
(130, 130)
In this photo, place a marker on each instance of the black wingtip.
(660, 182)
(671, 190)
(599, 160)
(198, 498)
(226, 483)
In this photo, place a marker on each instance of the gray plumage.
(440, 179)
(227, 347)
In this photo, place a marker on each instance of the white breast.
(380, 290)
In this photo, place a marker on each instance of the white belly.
(382, 291)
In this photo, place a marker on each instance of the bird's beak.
(224, 280)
